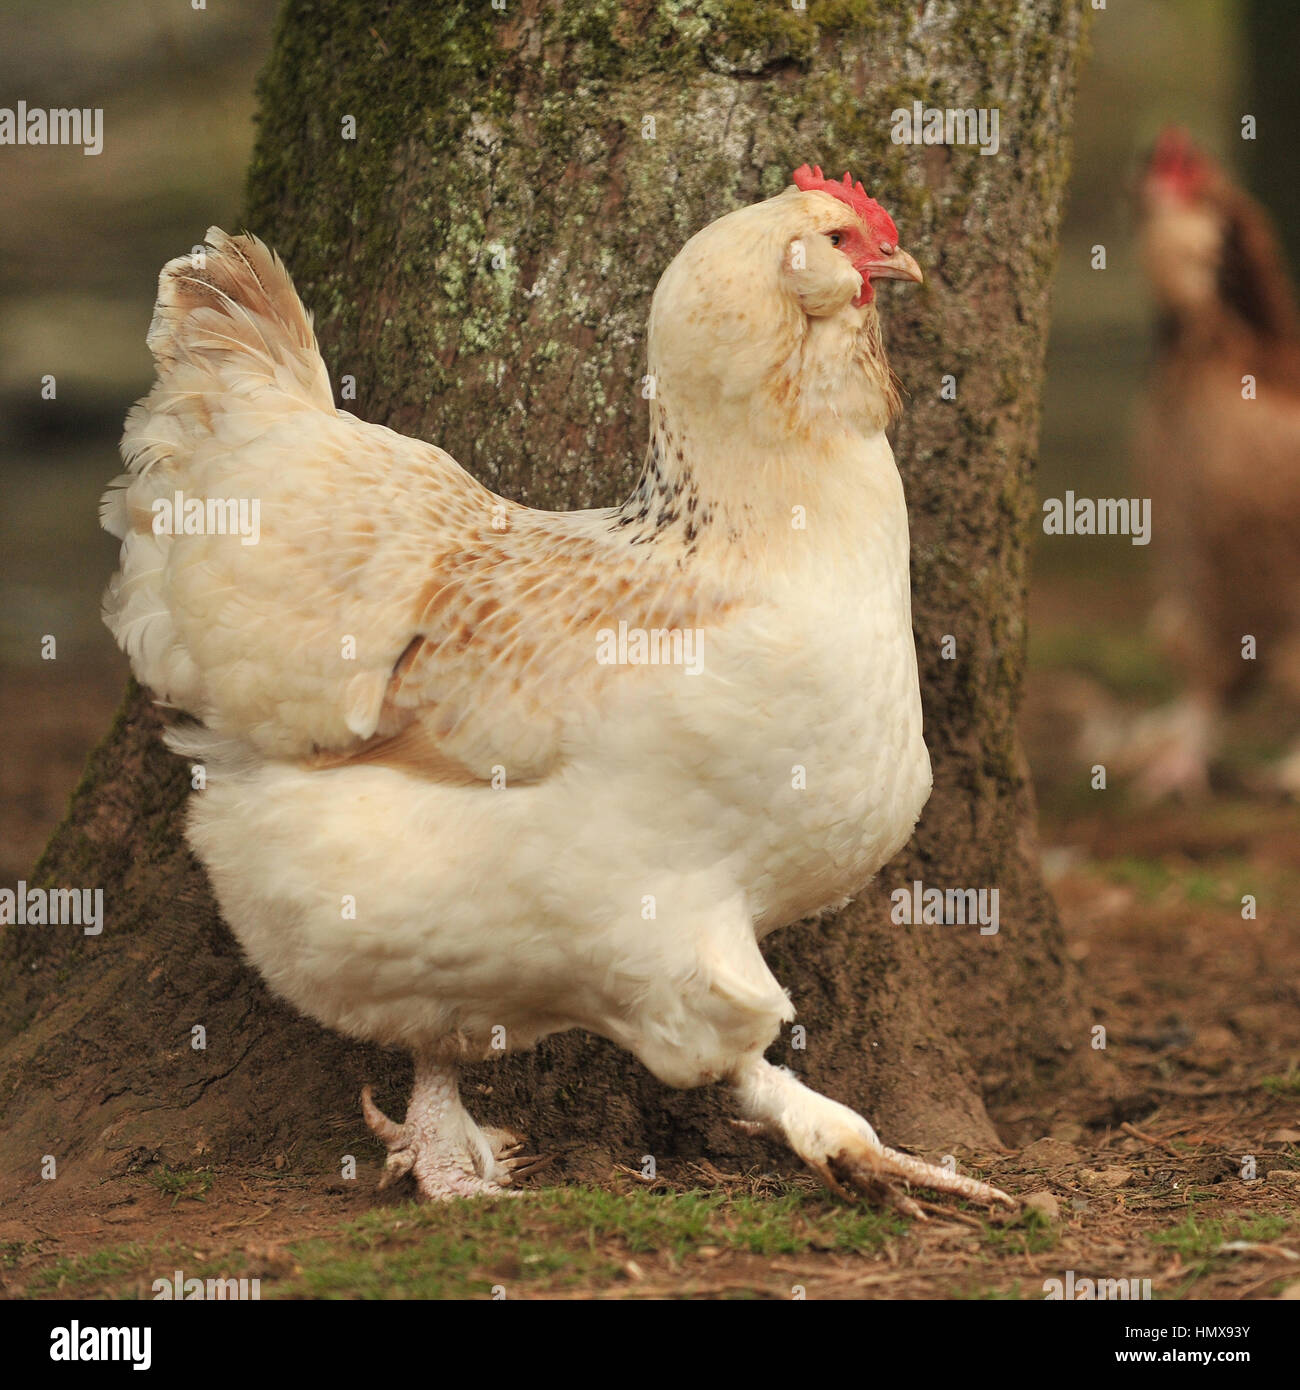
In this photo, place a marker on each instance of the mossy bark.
(480, 259)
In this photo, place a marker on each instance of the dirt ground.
(1201, 1019)
(1184, 1169)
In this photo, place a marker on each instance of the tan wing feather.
(507, 640)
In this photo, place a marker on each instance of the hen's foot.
(439, 1144)
(441, 1169)
(878, 1172)
(508, 1150)
(842, 1148)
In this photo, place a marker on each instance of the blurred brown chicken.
(1219, 455)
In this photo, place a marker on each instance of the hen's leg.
(439, 1144)
(840, 1146)
(713, 1010)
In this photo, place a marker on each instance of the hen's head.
(766, 320)
(865, 237)
(1207, 247)
(1182, 223)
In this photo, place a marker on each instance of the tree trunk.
(1269, 93)
(480, 259)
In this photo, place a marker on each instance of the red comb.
(1177, 162)
(812, 180)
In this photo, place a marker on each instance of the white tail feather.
(228, 327)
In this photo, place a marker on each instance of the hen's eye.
(836, 238)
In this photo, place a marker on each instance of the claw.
(901, 1202)
(525, 1165)
(438, 1143)
(941, 1180)
(505, 1143)
(870, 1183)
(823, 1171)
(871, 1170)
(398, 1138)
(896, 1198)
(379, 1123)
(397, 1165)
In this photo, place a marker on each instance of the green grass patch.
(1219, 882)
(565, 1238)
(1125, 661)
(11, 1251)
(193, 1184)
(1194, 1239)
(555, 1240)
(987, 1293)
(1030, 1232)
(115, 1270)
(1197, 1241)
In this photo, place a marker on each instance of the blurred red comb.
(812, 180)
(1177, 161)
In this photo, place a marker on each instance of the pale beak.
(899, 266)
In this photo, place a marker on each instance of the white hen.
(479, 773)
